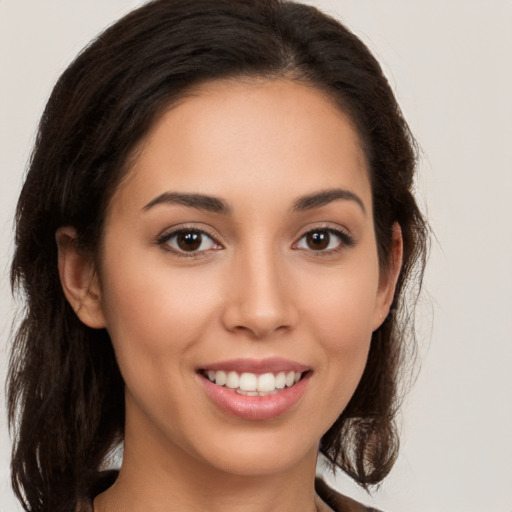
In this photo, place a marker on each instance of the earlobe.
(388, 281)
(79, 279)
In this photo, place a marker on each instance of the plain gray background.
(450, 63)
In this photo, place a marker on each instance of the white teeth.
(248, 382)
(220, 378)
(232, 380)
(280, 380)
(248, 393)
(266, 382)
(254, 385)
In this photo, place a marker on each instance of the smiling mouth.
(252, 384)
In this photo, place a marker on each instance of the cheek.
(343, 301)
(341, 310)
(154, 311)
(345, 330)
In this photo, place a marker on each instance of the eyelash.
(164, 242)
(345, 241)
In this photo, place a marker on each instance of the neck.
(157, 491)
(157, 476)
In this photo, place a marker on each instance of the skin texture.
(255, 289)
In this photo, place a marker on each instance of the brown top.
(338, 502)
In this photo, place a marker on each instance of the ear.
(389, 278)
(79, 279)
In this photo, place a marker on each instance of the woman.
(214, 238)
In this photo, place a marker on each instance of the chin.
(259, 450)
(253, 461)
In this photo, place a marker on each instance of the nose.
(259, 299)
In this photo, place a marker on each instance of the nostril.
(258, 324)
(259, 302)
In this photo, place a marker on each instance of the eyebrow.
(324, 197)
(216, 205)
(198, 201)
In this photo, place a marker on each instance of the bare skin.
(243, 232)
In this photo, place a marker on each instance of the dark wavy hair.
(65, 390)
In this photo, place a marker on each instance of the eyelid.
(163, 239)
(347, 240)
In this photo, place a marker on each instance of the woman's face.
(239, 256)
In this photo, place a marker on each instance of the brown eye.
(189, 241)
(318, 240)
(324, 240)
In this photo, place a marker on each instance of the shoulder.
(338, 502)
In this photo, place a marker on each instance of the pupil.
(318, 240)
(189, 241)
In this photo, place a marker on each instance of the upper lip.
(268, 365)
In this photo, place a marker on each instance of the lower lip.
(255, 407)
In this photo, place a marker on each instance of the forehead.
(228, 138)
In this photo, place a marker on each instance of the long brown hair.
(65, 391)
